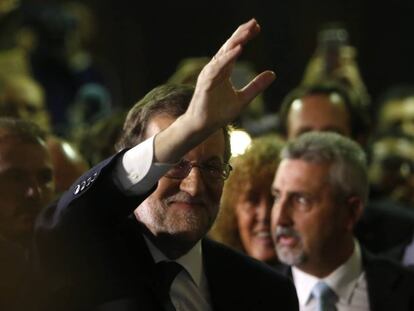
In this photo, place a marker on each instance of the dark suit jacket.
(91, 256)
(390, 286)
(385, 225)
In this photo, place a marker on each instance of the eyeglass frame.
(226, 168)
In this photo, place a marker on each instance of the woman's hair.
(261, 158)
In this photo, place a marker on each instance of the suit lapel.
(217, 276)
(284, 269)
(226, 279)
(144, 266)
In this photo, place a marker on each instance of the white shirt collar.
(342, 280)
(192, 261)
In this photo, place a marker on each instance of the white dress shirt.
(408, 256)
(136, 173)
(348, 282)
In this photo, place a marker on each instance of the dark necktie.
(325, 297)
(166, 272)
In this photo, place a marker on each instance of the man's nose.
(193, 184)
(33, 189)
(281, 213)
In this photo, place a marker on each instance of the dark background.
(142, 43)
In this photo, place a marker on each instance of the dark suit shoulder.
(390, 285)
(383, 264)
(246, 282)
(224, 254)
(383, 225)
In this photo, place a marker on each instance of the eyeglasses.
(211, 171)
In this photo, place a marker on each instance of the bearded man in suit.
(320, 190)
(154, 201)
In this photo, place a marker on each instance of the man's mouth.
(287, 240)
(182, 200)
(286, 236)
(186, 204)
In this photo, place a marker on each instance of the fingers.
(221, 63)
(241, 36)
(228, 57)
(220, 66)
(256, 86)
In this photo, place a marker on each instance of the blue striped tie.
(325, 297)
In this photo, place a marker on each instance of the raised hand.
(216, 102)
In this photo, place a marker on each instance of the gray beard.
(176, 233)
(291, 257)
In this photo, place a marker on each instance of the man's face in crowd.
(308, 226)
(398, 115)
(253, 217)
(391, 170)
(318, 112)
(26, 99)
(26, 186)
(184, 208)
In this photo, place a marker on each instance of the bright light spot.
(297, 104)
(335, 98)
(68, 150)
(239, 141)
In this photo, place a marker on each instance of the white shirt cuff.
(136, 173)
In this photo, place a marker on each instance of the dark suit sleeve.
(77, 237)
(93, 204)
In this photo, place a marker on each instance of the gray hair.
(168, 99)
(348, 172)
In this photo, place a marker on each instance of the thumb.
(256, 86)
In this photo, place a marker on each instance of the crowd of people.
(147, 209)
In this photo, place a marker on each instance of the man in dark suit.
(320, 189)
(100, 246)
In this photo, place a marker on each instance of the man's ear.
(355, 207)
